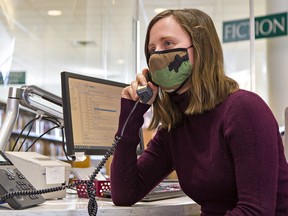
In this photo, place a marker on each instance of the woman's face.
(166, 34)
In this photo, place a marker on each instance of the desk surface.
(74, 206)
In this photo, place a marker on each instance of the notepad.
(85, 173)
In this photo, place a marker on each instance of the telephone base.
(43, 172)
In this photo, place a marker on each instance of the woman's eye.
(168, 43)
(151, 50)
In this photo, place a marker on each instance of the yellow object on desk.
(82, 164)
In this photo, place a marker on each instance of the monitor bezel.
(67, 115)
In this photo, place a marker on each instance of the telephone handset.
(12, 180)
(144, 92)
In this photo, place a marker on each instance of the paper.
(55, 175)
(80, 156)
(85, 173)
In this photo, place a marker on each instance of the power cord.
(92, 204)
(57, 126)
(30, 123)
(57, 123)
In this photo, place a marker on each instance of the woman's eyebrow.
(161, 39)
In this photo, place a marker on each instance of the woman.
(222, 141)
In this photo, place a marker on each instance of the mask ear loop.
(149, 78)
(190, 46)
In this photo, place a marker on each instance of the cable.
(57, 126)
(18, 137)
(57, 122)
(92, 204)
(31, 123)
(31, 126)
(73, 157)
(124, 126)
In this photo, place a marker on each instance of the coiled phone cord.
(92, 204)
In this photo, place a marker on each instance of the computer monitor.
(91, 108)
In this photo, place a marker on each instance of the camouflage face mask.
(170, 68)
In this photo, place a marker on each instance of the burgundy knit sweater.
(229, 160)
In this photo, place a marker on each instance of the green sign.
(265, 26)
(18, 77)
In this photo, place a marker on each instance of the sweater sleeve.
(132, 177)
(252, 135)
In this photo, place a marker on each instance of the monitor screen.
(91, 108)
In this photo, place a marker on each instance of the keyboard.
(164, 191)
(160, 192)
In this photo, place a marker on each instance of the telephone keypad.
(11, 180)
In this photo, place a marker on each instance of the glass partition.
(39, 39)
(105, 39)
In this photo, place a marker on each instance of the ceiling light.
(159, 10)
(54, 13)
(120, 61)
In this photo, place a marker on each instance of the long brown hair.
(208, 83)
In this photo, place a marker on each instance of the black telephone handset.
(11, 179)
(144, 92)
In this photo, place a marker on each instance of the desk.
(74, 206)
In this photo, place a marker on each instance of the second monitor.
(91, 108)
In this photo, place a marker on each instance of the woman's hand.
(130, 93)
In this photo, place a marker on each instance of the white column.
(277, 65)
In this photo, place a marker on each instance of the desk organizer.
(99, 185)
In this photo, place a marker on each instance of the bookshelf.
(50, 144)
